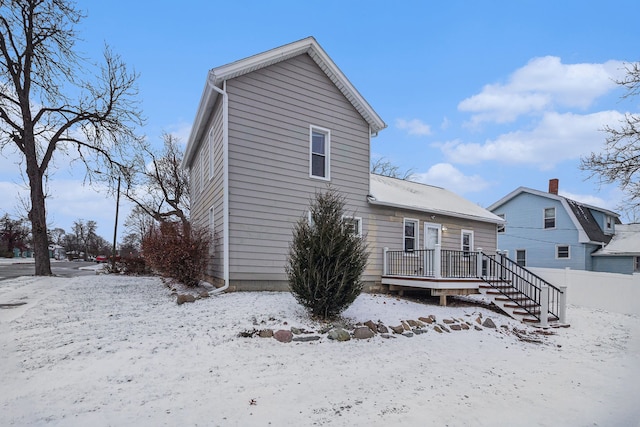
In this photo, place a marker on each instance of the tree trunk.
(38, 218)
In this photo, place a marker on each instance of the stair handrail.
(530, 279)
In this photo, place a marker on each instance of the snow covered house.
(622, 253)
(545, 229)
(271, 131)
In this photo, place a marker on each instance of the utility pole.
(115, 229)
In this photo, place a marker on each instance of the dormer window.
(609, 223)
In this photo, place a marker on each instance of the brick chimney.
(553, 186)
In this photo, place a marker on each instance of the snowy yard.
(110, 350)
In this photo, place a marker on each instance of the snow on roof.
(626, 241)
(426, 198)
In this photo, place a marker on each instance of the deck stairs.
(520, 293)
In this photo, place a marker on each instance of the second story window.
(353, 224)
(550, 218)
(501, 227)
(320, 141)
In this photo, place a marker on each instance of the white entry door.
(431, 239)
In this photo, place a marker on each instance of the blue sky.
(480, 97)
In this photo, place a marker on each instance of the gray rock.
(306, 338)
(363, 333)
(488, 323)
(419, 331)
(444, 328)
(182, 298)
(382, 329)
(283, 335)
(296, 331)
(387, 336)
(266, 333)
(407, 334)
(339, 334)
(477, 328)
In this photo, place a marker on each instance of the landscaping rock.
(448, 321)
(306, 338)
(182, 298)
(204, 294)
(488, 323)
(407, 334)
(382, 329)
(266, 333)
(386, 336)
(465, 326)
(412, 323)
(419, 331)
(437, 329)
(339, 334)
(455, 327)
(427, 320)
(296, 331)
(477, 328)
(369, 324)
(406, 326)
(283, 335)
(444, 328)
(363, 333)
(397, 329)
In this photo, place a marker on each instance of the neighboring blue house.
(549, 230)
(622, 254)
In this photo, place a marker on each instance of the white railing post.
(563, 305)
(479, 262)
(437, 262)
(385, 267)
(544, 306)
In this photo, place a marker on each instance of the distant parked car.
(101, 258)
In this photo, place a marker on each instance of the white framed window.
(211, 156)
(353, 224)
(549, 218)
(502, 227)
(319, 153)
(410, 234)
(521, 257)
(563, 252)
(212, 228)
(466, 241)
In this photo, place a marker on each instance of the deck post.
(479, 263)
(563, 305)
(544, 306)
(437, 262)
(384, 261)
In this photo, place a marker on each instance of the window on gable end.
(211, 156)
(502, 227)
(550, 218)
(319, 153)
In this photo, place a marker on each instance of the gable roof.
(399, 193)
(310, 46)
(625, 242)
(580, 213)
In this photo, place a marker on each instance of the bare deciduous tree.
(620, 161)
(47, 105)
(159, 186)
(384, 167)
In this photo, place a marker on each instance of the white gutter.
(375, 202)
(225, 182)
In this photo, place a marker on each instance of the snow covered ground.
(112, 350)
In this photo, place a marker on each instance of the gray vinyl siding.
(208, 191)
(270, 112)
(386, 229)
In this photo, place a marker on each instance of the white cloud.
(447, 176)
(543, 84)
(557, 137)
(414, 127)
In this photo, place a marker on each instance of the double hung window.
(319, 153)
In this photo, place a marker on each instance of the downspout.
(225, 183)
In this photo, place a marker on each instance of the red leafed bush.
(177, 251)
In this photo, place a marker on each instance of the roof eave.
(375, 202)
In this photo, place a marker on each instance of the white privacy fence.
(619, 293)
